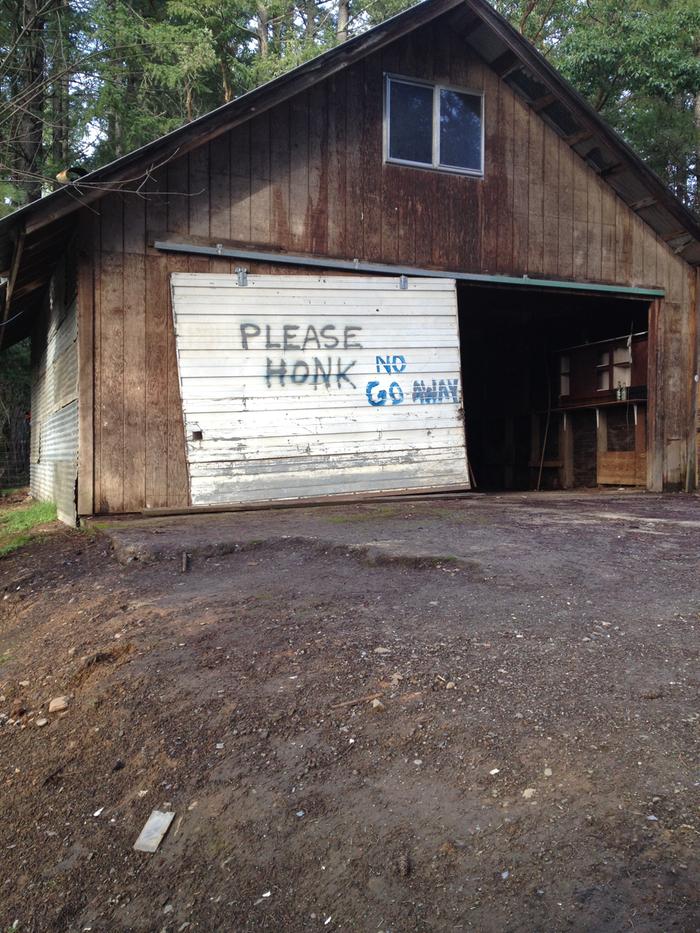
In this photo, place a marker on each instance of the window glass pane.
(621, 376)
(410, 122)
(460, 130)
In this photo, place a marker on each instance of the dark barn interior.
(554, 388)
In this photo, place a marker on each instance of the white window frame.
(436, 164)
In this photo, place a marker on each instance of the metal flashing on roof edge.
(355, 265)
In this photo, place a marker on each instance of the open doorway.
(555, 388)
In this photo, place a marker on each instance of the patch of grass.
(18, 491)
(26, 517)
(17, 524)
(7, 547)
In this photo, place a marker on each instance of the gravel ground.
(471, 714)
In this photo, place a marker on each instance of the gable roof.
(32, 237)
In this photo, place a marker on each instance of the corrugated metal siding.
(54, 445)
(298, 386)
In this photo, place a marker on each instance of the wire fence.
(14, 456)
(14, 471)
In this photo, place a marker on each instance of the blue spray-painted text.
(390, 364)
(377, 396)
(436, 391)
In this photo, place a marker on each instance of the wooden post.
(86, 364)
(640, 445)
(692, 477)
(601, 433)
(566, 446)
(655, 434)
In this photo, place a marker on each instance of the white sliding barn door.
(296, 386)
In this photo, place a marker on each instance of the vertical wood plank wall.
(309, 177)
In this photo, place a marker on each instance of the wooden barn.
(420, 261)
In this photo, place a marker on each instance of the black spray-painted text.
(327, 371)
(300, 337)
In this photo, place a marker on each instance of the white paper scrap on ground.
(152, 833)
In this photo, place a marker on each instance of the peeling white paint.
(298, 386)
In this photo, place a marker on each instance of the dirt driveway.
(532, 763)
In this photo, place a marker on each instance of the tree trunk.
(30, 103)
(60, 144)
(58, 41)
(311, 11)
(189, 101)
(263, 31)
(343, 18)
(226, 82)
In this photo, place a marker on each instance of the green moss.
(92, 528)
(365, 515)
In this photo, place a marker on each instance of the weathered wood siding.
(308, 177)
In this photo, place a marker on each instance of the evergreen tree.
(84, 81)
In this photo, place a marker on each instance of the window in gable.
(411, 123)
(433, 126)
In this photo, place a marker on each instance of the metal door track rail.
(419, 494)
(355, 265)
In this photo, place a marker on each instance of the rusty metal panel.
(298, 386)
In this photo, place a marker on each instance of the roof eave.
(597, 128)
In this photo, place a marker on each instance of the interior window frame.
(436, 165)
